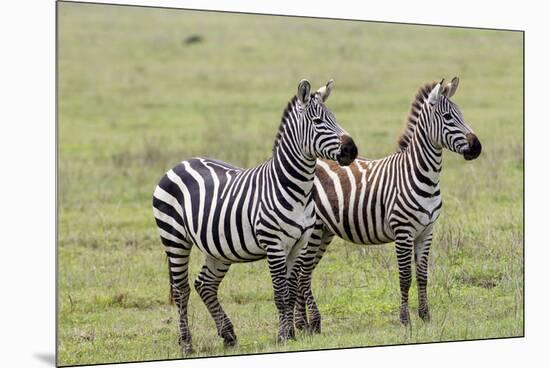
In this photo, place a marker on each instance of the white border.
(27, 184)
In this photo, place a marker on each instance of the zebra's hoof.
(186, 348)
(229, 340)
(185, 345)
(314, 327)
(404, 316)
(301, 324)
(283, 337)
(424, 314)
(229, 343)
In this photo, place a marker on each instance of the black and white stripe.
(396, 198)
(241, 215)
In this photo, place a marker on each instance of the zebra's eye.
(447, 116)
(317, 120)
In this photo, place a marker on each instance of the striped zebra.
(242, 215)
(396, 198)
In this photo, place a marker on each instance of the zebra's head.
(448, 125)
(324, 137)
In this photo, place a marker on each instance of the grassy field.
(137, 95)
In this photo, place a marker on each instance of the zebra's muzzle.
(474, 147)
(348, 151)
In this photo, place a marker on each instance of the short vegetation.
(142, 89)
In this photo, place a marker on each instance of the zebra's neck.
(425, 156)
(290, 164)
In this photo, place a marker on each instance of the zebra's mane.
(412, 118)
(291, 106)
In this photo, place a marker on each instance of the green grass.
(135, 99)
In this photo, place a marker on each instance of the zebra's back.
(209, 203)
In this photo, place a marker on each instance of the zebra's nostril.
(348, 148)
(348, 151)
(474, 147)
(354, 151)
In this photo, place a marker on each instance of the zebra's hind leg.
(421, 255)
(276, 260)
(293, 291)
(404, 248)
(307, 258)
(306, 299)
(178, 261)
(300, 314)
(206, 284)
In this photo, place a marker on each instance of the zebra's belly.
(225, 241)
(379, 237)
(381, 234)
(222, 239)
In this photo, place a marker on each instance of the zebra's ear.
(451, 87)
(304, 89)
(324, 91)
(433, 98)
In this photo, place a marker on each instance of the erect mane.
(414, 113)
(284, 119)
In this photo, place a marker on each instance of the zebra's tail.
(171, 295)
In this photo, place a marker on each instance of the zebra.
(396, 198)
(235, 215)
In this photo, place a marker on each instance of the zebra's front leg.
(277, 267)
(421, 256)
(404, 247)
(206, 284)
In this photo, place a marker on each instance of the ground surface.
(142, 89)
